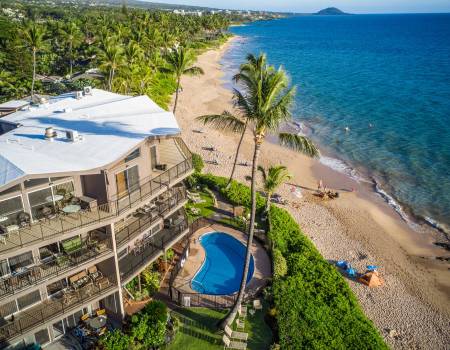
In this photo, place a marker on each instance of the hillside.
(331, 11)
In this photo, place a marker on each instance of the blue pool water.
(221, 272)
(387, 78)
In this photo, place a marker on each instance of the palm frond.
(225, 121)
(194, 71)
(299, 143)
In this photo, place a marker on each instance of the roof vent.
(87, 90)
(67, 110)
(78, 94)
(50, 134)
(73, 135)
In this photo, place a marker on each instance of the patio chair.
(94, 273)
(100, 312)
(23, 219)
(228, 344)
(48, 213)
(85, 317)
(257, 304)
(235, 335)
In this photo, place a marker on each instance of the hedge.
(236, 193)
(315, 307)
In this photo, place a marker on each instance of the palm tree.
(265, 103)
(180, 62)
(111, 58)
(272, 179)
(248, 75)
(33, 37)
(72, 36)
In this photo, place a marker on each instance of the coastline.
(359, 226)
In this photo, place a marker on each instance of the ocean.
(384, 78)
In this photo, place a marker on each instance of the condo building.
(91, 193)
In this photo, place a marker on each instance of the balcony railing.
(143, 221)
(50, 308)
(42, 270)
(150, 248)
(147, 188)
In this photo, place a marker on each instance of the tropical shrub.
(115, 340)
(197, 162)
(315, 307)
(279, 264)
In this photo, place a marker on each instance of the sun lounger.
(242, 311)
(240, 324)
(229, 344)
(257, 304)
(235, 335)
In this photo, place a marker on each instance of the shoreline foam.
(359, 226)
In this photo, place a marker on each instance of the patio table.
(71, 209)
(97, 322)
(12, 228)
(56, 198)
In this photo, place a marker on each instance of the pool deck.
(197, 255)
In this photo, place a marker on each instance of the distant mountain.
(331, 11)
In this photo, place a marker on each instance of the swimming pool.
(221, 272)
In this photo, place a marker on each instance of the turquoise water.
(221, 272)
(386, 78)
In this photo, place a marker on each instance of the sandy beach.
(412, 310)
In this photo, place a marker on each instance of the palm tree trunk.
(176, 95)
(236, 156)
(232, 314)
(34, 73)
(70, 60)
(269, 196)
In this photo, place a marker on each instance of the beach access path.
(412, 310)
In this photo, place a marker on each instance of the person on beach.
(320, 185)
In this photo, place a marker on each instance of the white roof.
(13, 104)
(110, 125)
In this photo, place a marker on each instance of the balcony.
(49, 228)
(89, 250)
(150, 214)
(148, 249)
(66, 301)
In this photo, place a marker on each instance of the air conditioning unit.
(72, 135)
(87, 90)
(79, 94)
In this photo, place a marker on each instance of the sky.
(307, 6)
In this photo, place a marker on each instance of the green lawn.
(206, 208)
(198, 330)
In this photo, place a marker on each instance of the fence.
(134, 228)
(189, 299)
(149, 249)
(45, 311)
(44, 270)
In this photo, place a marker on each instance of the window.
(8, 308)
(19, 261)
(121, 254)
(36, 182)
(39, 200)
(133, 155)
(49, 197)
(58, 329)
(28, 299)
(48, 251)
(12, 189)
(56, 287)
(4, 268)
(10, 210)
(127, 180)
(42, 336)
